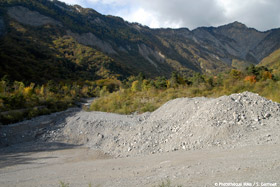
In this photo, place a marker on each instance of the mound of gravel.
(180, 124)
(238, 119)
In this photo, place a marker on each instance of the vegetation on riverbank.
(19, 101)
(138, 94)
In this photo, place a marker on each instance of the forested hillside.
(70, 42)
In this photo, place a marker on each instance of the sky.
(260, 14)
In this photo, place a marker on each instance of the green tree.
(136, 86)
(197, 79)
(174, 80)
(160, 82)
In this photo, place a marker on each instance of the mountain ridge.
(132, 47)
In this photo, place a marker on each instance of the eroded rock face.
(244, 39)
(28, 17)
(91, 40)
(2, 27)
(147, 52)
(234, 39)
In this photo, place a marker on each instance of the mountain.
(43, 40)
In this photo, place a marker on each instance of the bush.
(12, 117)
(167, 183)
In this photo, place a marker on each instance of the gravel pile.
(180, 124)
(228, 121)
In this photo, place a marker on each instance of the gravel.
(182, 124)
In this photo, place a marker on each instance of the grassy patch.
(167, 183)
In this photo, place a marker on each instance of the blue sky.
(260, 14)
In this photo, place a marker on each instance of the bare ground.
(48, 164)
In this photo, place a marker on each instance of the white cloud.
(261, 14)
(190, 13)
(141, 16)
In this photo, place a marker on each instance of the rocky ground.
(193, 142)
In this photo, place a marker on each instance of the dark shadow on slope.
(31, 130)
(21, 153)
(20, 140)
